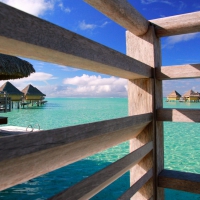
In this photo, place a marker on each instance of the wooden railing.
(25, 156)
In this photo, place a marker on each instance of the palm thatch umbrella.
(12, 67)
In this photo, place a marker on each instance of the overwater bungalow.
(32, 94)
(191, 96)
(12, 67)
(173, 96)
(12, 92)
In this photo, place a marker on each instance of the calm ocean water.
(181, 142)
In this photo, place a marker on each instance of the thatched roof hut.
(11, 91)
(12, 67)
(174, 95)
(191, 95)
(32, 93)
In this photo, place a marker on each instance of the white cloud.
(84, 26)
(34, 7)
(68, 69)
(156, 1)
(104, 24)
(83, 86)
(170, 41)
(94, 86)
(65, 9)
(182, 5)
(34, 77)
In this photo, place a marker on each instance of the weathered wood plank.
(24, 35)
(176, 180)
(95, 183)
(32, 142)
(178, 72)
(32, 154)
(141, 99)
(123, 13)
(178, 115)
(3, 120)
(136, 186)
(176, 25)
(158, 125)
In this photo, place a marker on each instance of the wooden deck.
(28, 155)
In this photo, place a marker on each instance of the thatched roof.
(31, 90)
(191, 93)
(10, 89)
(174, 94)
(12, 67)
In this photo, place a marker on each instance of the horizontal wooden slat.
(135, 187)
(123, 13)
(29, 155)
(179, 24)
(95, 183)
(24, 35)
(178, 115)
(178, 72)
(3, 120)
(176, 180)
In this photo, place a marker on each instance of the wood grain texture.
(136, 186)
(31, 142)
(123, 13)
(3, 120)
(178, 115)
(29, 155)
(176, 180)
(178, 72)
(158, 125)
(141, 99)
(176, 25)
(95, 183)
(24, 35)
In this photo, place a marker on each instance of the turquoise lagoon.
(181, 141)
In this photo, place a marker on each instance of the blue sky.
(81, 18)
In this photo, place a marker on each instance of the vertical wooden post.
(10, 104)
(6, 99)
(141, 93)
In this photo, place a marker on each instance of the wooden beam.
(29, 155)
(176, 25)
(122, 13)
(176, 180)
(178, 72)
(136, 186)
(95, 183)
(178, 115)
(24, 35)
(3, 120)
(141, 99)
